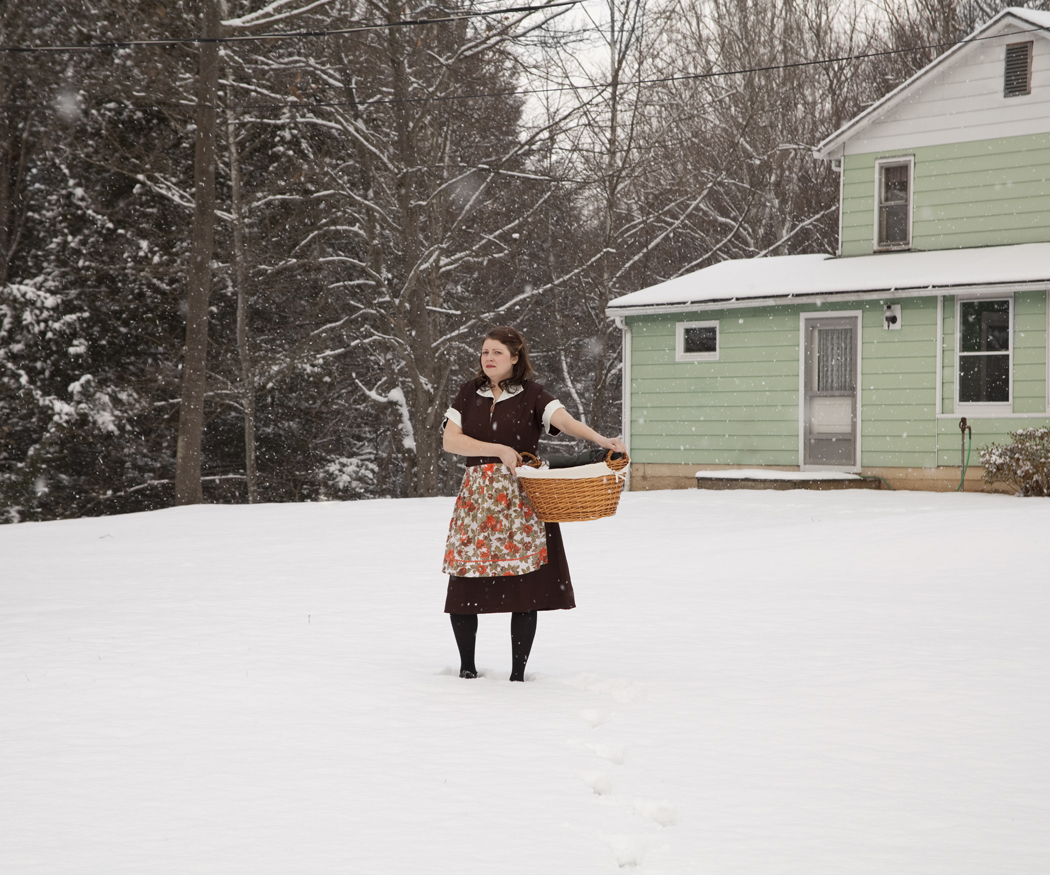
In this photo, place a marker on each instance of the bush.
(1024, 464)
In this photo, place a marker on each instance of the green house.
(933, 309)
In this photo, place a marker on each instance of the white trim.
(881, 163)
(984, 410)
(511, 390)
(680, 355)
(840, 165)
(977, 414)
(451, 415)
(938, 341)
(975, 291)
(836, 142)
(858, 377)
(548, 412)
(625, 389)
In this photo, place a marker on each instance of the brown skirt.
(548, 588)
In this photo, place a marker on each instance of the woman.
(499, 556)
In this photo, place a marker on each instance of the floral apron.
(494, 530)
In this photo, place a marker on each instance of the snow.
(767, 474)
(892, 273)
(753, 682)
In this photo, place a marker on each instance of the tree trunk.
(244, 352)
(195, 355)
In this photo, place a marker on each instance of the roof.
(751, 280)
(1027, 19)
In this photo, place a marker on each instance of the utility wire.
(262, 37)
(682, 77)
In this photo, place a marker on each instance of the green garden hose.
(968, 431)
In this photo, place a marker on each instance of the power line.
(262, 37)
(683, 77)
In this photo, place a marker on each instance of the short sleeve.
(545, 406)
(459, 406)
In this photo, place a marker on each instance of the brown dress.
(517, 421)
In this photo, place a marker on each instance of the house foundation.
(650, 476)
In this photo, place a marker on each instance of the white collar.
(511, 390)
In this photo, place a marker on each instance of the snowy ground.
(754, 682)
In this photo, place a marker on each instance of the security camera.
(891, 317)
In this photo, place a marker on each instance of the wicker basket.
(575, 499)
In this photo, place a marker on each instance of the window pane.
(984, 378)
(984, 326)
(834, 359)
(703, 339)
(895, 184)
(893, 224)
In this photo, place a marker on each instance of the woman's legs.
(465, 628)
(522, 633)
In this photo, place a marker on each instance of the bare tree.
(198, 281)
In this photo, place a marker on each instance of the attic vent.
(1017, 78)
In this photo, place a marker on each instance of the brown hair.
(516, 345)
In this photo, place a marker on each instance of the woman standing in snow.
(499, 557)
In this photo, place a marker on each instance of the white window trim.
(680, 355)
(879, 164)
(983, 409)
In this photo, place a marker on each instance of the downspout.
(625, 402)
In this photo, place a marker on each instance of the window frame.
(881, 163)
(680, 355)
(984, 408)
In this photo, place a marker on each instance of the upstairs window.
(984, 352)
(893, 180)
(1017, 75)
(696, 342)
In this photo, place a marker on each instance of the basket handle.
(530, 461)
(617, 464)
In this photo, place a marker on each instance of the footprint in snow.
(661, 812)
(599, 782)
(629, 850)
(622, 690)
(614, 753)
(595, 716)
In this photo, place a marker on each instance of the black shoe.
(467, 673)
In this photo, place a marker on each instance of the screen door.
(829, 419)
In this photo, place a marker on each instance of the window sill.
(984, 411)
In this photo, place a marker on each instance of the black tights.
(522, 633)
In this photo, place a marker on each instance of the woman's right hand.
(510, 457)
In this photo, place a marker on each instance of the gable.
(959, 97)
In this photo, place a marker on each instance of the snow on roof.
(1038, 19)
(807, 275)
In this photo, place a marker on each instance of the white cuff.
(451, 415)
(548, 412)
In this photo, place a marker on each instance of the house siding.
(963, 101)
(744, 408)
(984, 193)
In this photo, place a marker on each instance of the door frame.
(827, 314)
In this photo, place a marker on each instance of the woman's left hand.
(614, 444)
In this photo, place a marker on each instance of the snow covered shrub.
(350, 478)
(1024, 464)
